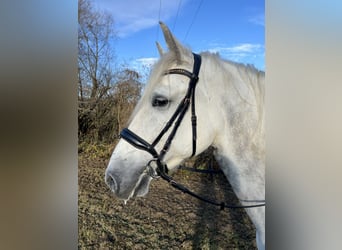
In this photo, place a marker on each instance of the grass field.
(164, 219)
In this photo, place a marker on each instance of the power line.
(160, 2)
(193, 20)
(174, 24)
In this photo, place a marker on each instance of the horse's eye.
(159, 101)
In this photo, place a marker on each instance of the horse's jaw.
(139, 189)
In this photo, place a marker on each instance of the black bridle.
(157, 167)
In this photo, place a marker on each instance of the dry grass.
(165, 219)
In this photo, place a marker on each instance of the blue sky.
(234, 29)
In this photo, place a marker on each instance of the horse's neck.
(246, 178)
(240, 143)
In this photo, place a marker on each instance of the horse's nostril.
(110, 181)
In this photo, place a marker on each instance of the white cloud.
(136, 25)
(147, 61)
(244, 53)
(143, 66)
(131, 15)
(239, 49)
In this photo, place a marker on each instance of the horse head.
(126, 173)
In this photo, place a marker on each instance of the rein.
(157, 167)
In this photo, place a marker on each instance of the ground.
(164, 219)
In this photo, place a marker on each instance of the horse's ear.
(160, 49)
(173, 45)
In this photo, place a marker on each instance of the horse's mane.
(249, 85)
(251, 76)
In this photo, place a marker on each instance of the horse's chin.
(140, 189)
(143, 186)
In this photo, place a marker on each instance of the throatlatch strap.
(196, 69)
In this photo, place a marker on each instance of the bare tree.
(95, 53)
(106, 96)
(95, 75)
(126, 94)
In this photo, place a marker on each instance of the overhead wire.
(193, 20)
(157, 36)
(176, 18)
(174, 24)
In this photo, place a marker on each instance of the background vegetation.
(107, 93)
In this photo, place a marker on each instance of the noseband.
(157, 167)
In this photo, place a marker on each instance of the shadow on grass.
(210, 225)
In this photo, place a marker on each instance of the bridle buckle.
(152, 169)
